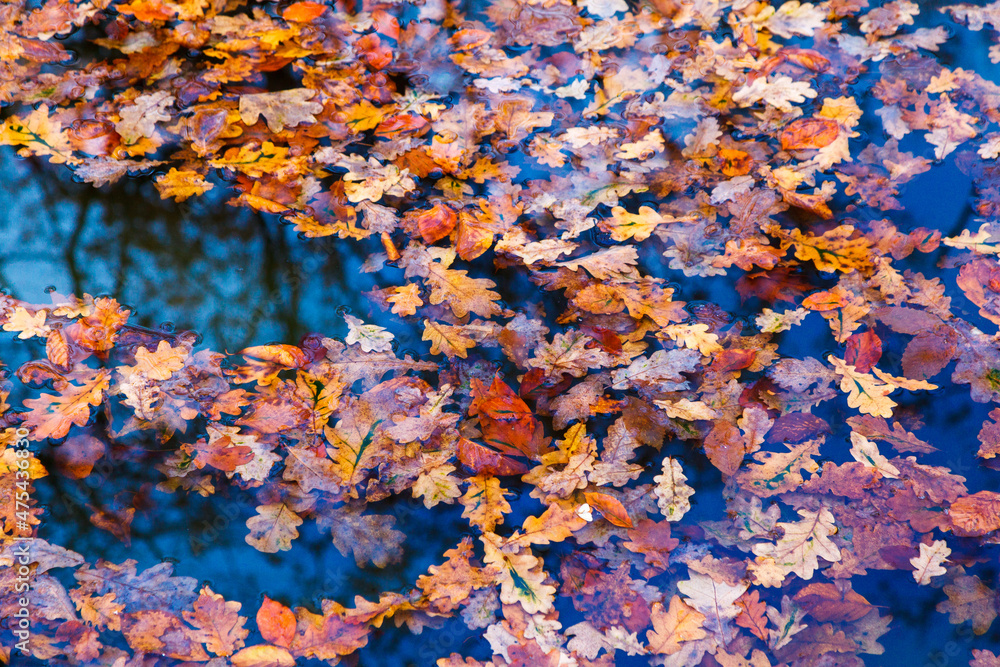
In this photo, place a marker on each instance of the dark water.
(240, 278)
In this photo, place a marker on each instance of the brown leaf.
(725, 447)
(797, 427)
(835, 603)
(989, 436)
(977, 514)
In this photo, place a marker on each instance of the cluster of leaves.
(714, 133)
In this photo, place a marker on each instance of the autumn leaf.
(610, 508)
(52, 415)
(928, 564)
(276, 622)
(274, 528)
(287, 108)
(833, 602)
(803, 544)
(326, 636)
(485, 502)
(39, 134)
(520, 576)
(977, 514)
(462, 293)
(835, 250)
(508, 423)
(864, 392)
(715, 600)
(680, 623)
(969, 599)
(672, 491)
(217, 622)
(181, 185)
(653, 541)
(751, 614)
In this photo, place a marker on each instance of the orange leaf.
(752, 614)
(436, 223)
(977, 514)
(508, 423)
(679, 624)
(52, 415)
(807, 133)
(276, 622)
(610, 508)
(824, 301)
(725, 447)
(303, 12)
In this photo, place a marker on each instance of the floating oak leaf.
(152, 589)
(52, 416)
(833, 602)
(680, 623)
(803, 543)
(977, 514)
(371, 538)
(274, 528)
(217, 623)
(928, 564)
(969, 599)
(715, 600)
(286, 108)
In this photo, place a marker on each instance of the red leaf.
(863, 351)
(807, 133)
(507, 421)
(734, 360)
(481, 459)
(834, 603)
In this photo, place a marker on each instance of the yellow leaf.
(624, 225)
(405, 300)
(803, 543)
(485, 502)
(40, 135)
(671, 628)
(864, 392)
(672, 491)
(833, 251)
(27, 324)
(446, 339)
(181, 184)
(273, 529)
(437, 486)
(694, 336)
